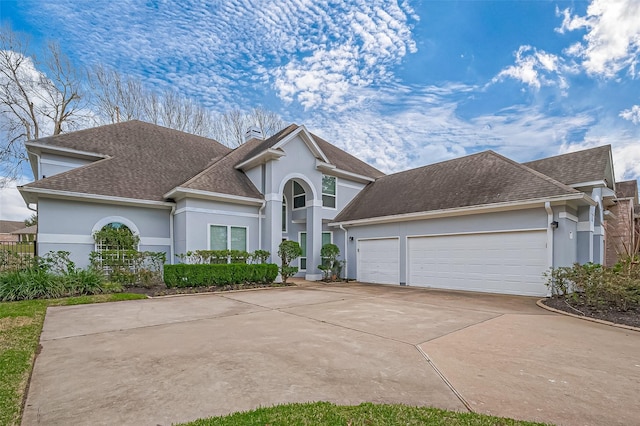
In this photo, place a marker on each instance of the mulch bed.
(162, 290)
(579, 307)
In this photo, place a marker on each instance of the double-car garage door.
(496, 262)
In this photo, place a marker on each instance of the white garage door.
(506, 262)
(379, 261)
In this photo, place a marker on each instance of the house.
(26, 234)
(623, 232)
(481, 222)
(6, 229)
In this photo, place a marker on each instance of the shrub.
(288, 252)
(259, 256)
(198, 275)
(617, 287)
(330, 264)
(130, 267)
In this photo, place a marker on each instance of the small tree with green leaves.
(329, 253)
(288, 252)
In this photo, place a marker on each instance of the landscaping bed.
(578, 306)
(161, 290)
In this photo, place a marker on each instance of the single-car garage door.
(501, 262)
(379, 261)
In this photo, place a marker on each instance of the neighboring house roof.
(627, 189)
(144, 161)
(8, 226)
(589, 165)
(33, 229)
(478, 179)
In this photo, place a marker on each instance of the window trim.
(294, 196)
(335, 196)
(285, 219)
(246, 235)
(305, 249)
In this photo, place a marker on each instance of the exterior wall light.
(554, 224)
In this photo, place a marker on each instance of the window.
(329, 191)
(223, 237)
(303, 245)
(299, 196)
(284, 214)
(327, 238)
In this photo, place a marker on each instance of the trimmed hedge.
(201, 275)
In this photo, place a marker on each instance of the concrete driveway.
(154, 362)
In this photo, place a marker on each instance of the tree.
(38, 97)
(230, 127)
(33, 220)
(288, 252)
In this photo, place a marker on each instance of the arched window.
(115, 236)
(299, 196)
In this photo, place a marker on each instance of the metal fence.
(16, 255)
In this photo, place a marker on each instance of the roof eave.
(335, 171)
(263, 157)
(179, 193)
(31, 196)
(461, 211)
(87, 155)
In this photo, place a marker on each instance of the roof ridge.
(435, 164)
(570, 153)
(535, 172)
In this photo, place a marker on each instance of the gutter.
(547, 207)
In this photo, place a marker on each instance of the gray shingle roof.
(8, 226)
(478, 179)
(576, 167)
(146, 161)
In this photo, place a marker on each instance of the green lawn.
(327, 414)
(20, 328)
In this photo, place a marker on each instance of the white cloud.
(632, 114)
(537, 68)
(612, 41)
(12, 206)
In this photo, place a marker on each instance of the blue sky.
(399, 84)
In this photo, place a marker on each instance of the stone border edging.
(582, 317)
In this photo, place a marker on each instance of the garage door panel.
(379, 261)
(510, 262)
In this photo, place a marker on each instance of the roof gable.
(580, 167)
(143, 161)
(479, 179)
(627, 189)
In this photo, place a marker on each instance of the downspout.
(547, 207)
(172, 243)
(346, 241)
(37, 166)
(264, 204)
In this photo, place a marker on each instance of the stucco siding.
(51, 165)
(68, 225)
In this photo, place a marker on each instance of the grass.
(20, 328)
(367, 414)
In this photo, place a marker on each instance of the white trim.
(246, 238)
(260, 158)
(598, 230)
(550, 230)
(65, 239)
(335, 195)
(53, 148)
(60, 163)
(155, 241)
(222, 212)
(300, 176)
(585, 226)
(272, 197)
(53, 193)
(460, 211)
(306, 256)
(285, 204)
(111, 219)
(294, 196)
(334, 171)
(565, 215)
(327, 232)
(347, 185)
(590, 183)
(499, 231)
(317, 203)
(197, 193)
